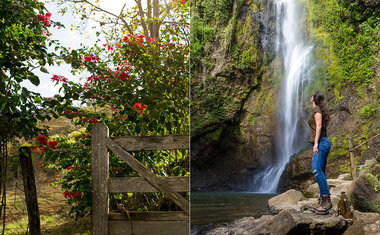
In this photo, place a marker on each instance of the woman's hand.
(315, 148)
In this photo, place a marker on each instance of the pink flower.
(46, 23)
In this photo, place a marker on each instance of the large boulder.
(285, 222)
(297, 174)
(362, 194)
(364, 223)
(336, 187)
(285, 201)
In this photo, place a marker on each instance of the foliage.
(24, 36)
(369, 110)
(349, 29)
(372, 181)
(208, 19)
(137, 86)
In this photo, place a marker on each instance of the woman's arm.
(318, 128)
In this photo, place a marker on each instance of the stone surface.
(364, 223)
(231, 115)
(283, 223)
(336, 187)
(362, 195)
(342, 187)
(290, 197)
(298, 172)
(346, 176)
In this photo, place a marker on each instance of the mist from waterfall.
(295, 53)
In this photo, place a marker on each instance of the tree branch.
(143, 24)
(105, 11)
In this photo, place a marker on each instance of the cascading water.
(295, 53)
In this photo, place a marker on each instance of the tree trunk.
(30, 190)
(156, 15)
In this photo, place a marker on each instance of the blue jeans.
(319, 164)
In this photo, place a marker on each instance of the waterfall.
(295, 53)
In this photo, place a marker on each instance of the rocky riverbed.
(289, 212)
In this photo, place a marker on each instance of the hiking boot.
(326, 205)
(318, 205)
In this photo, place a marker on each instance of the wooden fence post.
(352, 157)
(100, 175)
(30, 190)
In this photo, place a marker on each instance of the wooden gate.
(149, 222)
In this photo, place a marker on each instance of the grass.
(53, 224)
(54, 212)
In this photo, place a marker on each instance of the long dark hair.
(318, 100)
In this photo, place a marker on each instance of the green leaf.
(44, 70)
(37, 99)
(34, 80)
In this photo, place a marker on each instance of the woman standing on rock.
(318, 122)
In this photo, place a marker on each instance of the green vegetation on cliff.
(349, 32)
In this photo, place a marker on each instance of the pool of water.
(212, 207)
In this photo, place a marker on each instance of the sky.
(69, 38)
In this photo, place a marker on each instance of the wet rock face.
(232, 125)
(298, 173)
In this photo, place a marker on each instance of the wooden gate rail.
(158, 222)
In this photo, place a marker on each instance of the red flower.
(39, 163)
(91, 58)
(56, 176)
(42, 139)
(69, 112)
(42, 149)
(67, 194)
(139, 106)
(45, 18)
(84, 119)
(40, 17)
(59, 78)
(46, 23)
(53, 144)
(94, 77)
(113, 170)
(93, 120)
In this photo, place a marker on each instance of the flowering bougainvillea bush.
(136, 85)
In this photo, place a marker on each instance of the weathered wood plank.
(117, 227)
(151, 216)
(139, 184)
(137, 143)
(158, 183)
(100, 174)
